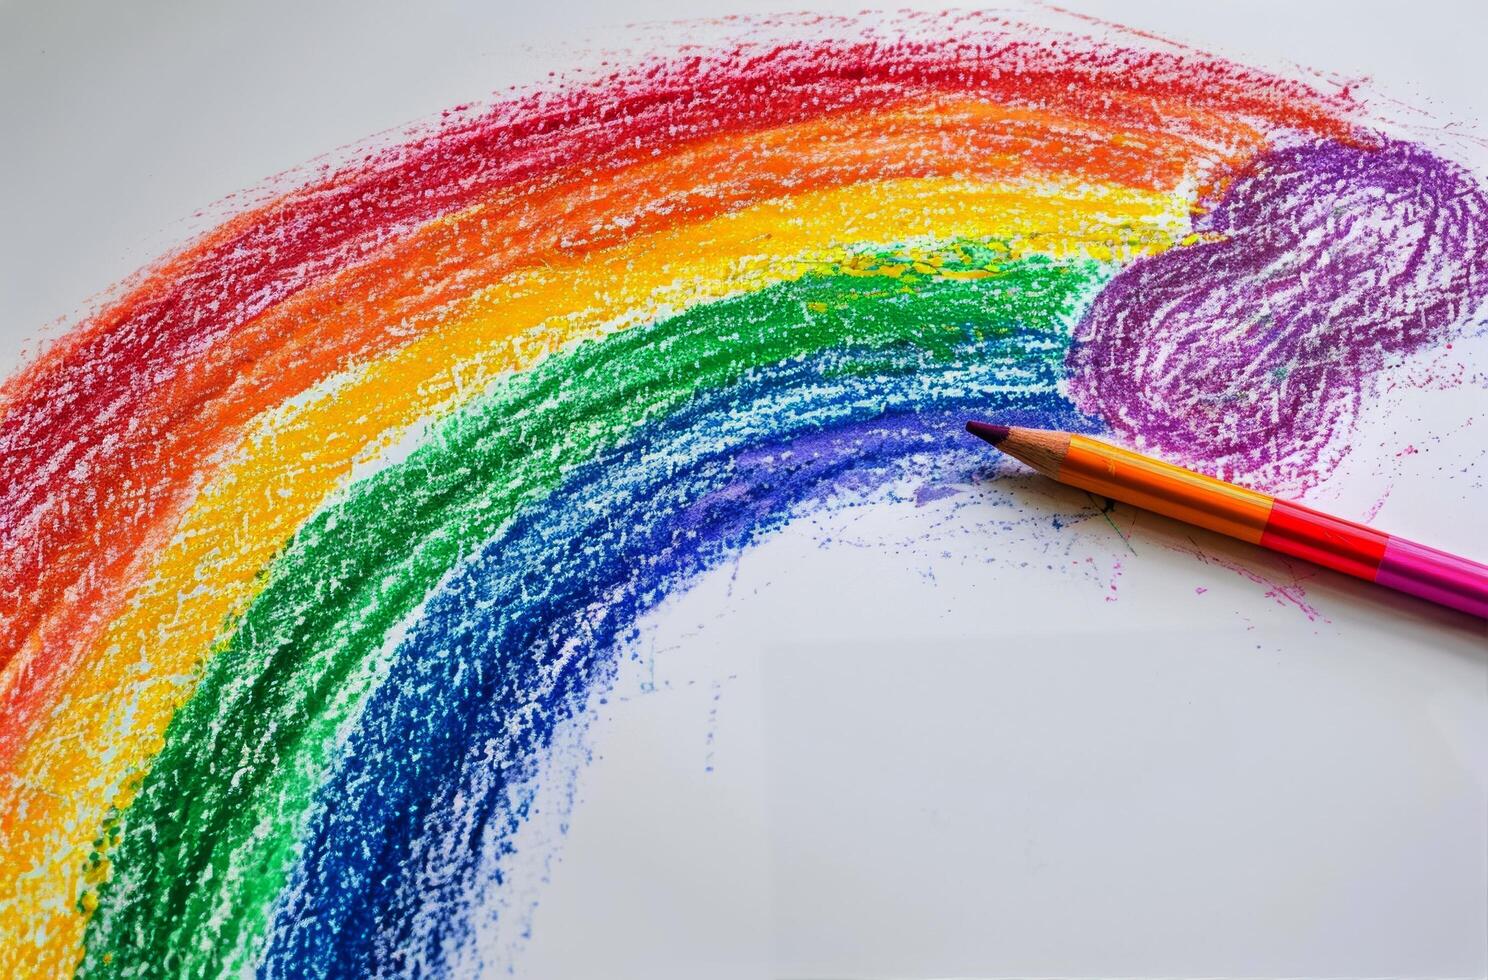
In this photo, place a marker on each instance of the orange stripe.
(1170, 490)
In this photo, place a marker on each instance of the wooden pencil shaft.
(1259, 518)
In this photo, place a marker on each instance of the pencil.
(1259, 518)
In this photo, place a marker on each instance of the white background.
(893, 741)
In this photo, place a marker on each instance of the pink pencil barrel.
(1435, 575)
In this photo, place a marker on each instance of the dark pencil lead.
(986, 430)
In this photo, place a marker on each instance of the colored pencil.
(1259, 518)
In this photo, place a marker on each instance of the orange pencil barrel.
(1184, 495)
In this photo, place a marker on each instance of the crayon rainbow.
(313, 533)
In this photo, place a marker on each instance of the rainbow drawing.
(315, 531)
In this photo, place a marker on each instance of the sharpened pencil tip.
(986, 430)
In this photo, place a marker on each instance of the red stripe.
(1329, 541)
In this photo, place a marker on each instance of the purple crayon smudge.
(1249, 356)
